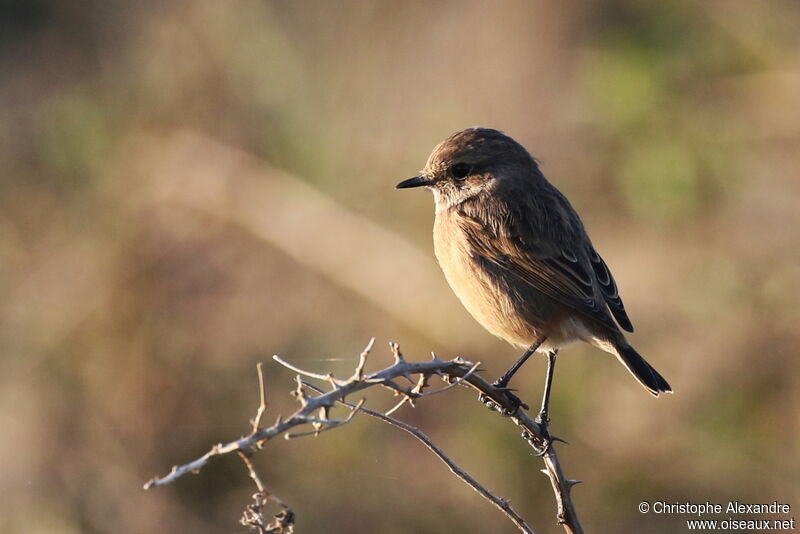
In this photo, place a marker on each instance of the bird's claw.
(514, 401)
(502, 386)
(541, 443)
(534, 441)
(492, 404)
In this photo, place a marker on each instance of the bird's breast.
(480, 291)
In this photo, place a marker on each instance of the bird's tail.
(641, 370)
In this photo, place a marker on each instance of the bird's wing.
(609, 289)
(563, 274)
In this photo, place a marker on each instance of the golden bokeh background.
(187, 188)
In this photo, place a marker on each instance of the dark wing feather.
(609, 289)
(560, 274)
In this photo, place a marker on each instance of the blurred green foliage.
(75, 139)
(643, 84)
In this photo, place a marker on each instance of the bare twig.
(322, 425)
(533, 433)
(253, 517)
(457, 382)
(310, 405)
(397, 406)
(262, 405)
(456, 372)
(254, 475)
(417, 392)
(561, 488)
(362, 359)
(499, 502)
(318, 376)
(253, 514)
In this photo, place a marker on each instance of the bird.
(516, 254)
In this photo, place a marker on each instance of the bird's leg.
(543, 416)
(502, 383)
(506, 378)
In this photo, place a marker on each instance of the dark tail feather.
(641, 370)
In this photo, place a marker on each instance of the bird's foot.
(539, 444)
(512, 405)
(494, 405)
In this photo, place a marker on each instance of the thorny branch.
(499, 502)
(315, 410)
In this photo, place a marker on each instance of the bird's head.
(470, 163)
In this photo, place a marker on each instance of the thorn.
(362, 360)
(571, 482)
(545, 472)
(299, 393)
(398, 356)
(556, 438)
(421, 384)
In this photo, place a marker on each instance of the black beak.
(416, 181)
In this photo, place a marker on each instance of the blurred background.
(190, 187)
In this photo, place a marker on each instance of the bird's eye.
(460, 171)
